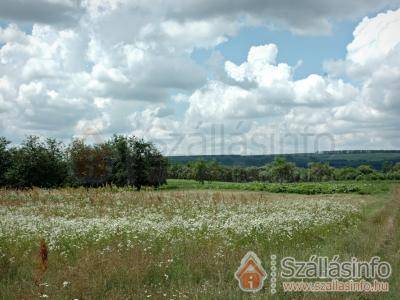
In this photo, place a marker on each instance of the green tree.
(158, 169)
(214, 170)
(137, 163)
(120, 156)
(5, 160)
(282, 171)
(37, 163)
(200, 171)
(265, 174)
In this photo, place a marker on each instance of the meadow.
(186, 240)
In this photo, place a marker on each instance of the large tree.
(37, 163)
(201, 172)
(137, 163)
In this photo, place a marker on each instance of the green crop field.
(308, 188)
(186, 242)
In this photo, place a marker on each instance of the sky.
(201, 76)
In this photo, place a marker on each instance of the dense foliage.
(279, 171)
(121, 161)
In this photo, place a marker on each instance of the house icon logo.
(250, 274)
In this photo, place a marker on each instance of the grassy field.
(183, 244)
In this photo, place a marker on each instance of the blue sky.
(311, 50)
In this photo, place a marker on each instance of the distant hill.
(338, 159)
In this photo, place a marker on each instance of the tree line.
(279, 171)
(337, 159)
(121, 161)
(130, 161)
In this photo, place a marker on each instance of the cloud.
(310, 17)
(207, 21)
(60, 12)
(271, 90)
(375, 39)
(264, 93)
(373, 58)
(80, 66)
(159, 125)
(218, 102)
